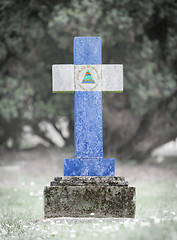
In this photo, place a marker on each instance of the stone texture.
(71, 195)
(87, 50)
(112, 78)
(89, 167)
(88, 117)
(89, 197)
(84, 181)
(63, 78)
(79, 73)
(68, 77)
(88, 125)
(88, 105)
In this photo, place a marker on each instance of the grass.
(21, 216)
(21, 206)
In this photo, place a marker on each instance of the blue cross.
(87, 79)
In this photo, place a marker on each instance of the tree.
(141, 35)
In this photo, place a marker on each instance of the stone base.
(102, 197)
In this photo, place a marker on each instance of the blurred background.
(37, 126)
(141, 35)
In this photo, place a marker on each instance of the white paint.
(79, 74)
(69, 77)
(63, 77)
(112, 77)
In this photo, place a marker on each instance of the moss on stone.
(80, 200)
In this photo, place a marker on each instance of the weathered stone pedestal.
(103, 197)
(88, 188)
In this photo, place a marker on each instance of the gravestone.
(89, 187)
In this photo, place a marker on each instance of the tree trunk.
(156, 127)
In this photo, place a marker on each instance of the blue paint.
(89, 167)
(88, 124)
(87, 50)
(88, 105)
(88, 159)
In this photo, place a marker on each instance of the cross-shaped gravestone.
(87, 78)
(103, 195)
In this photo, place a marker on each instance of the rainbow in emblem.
(88, 78)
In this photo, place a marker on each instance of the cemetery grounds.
(24, 174)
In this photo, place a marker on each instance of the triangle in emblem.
(88, 78)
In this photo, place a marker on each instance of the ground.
(24, 174)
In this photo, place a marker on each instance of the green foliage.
(15, 95)
(35, 34)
